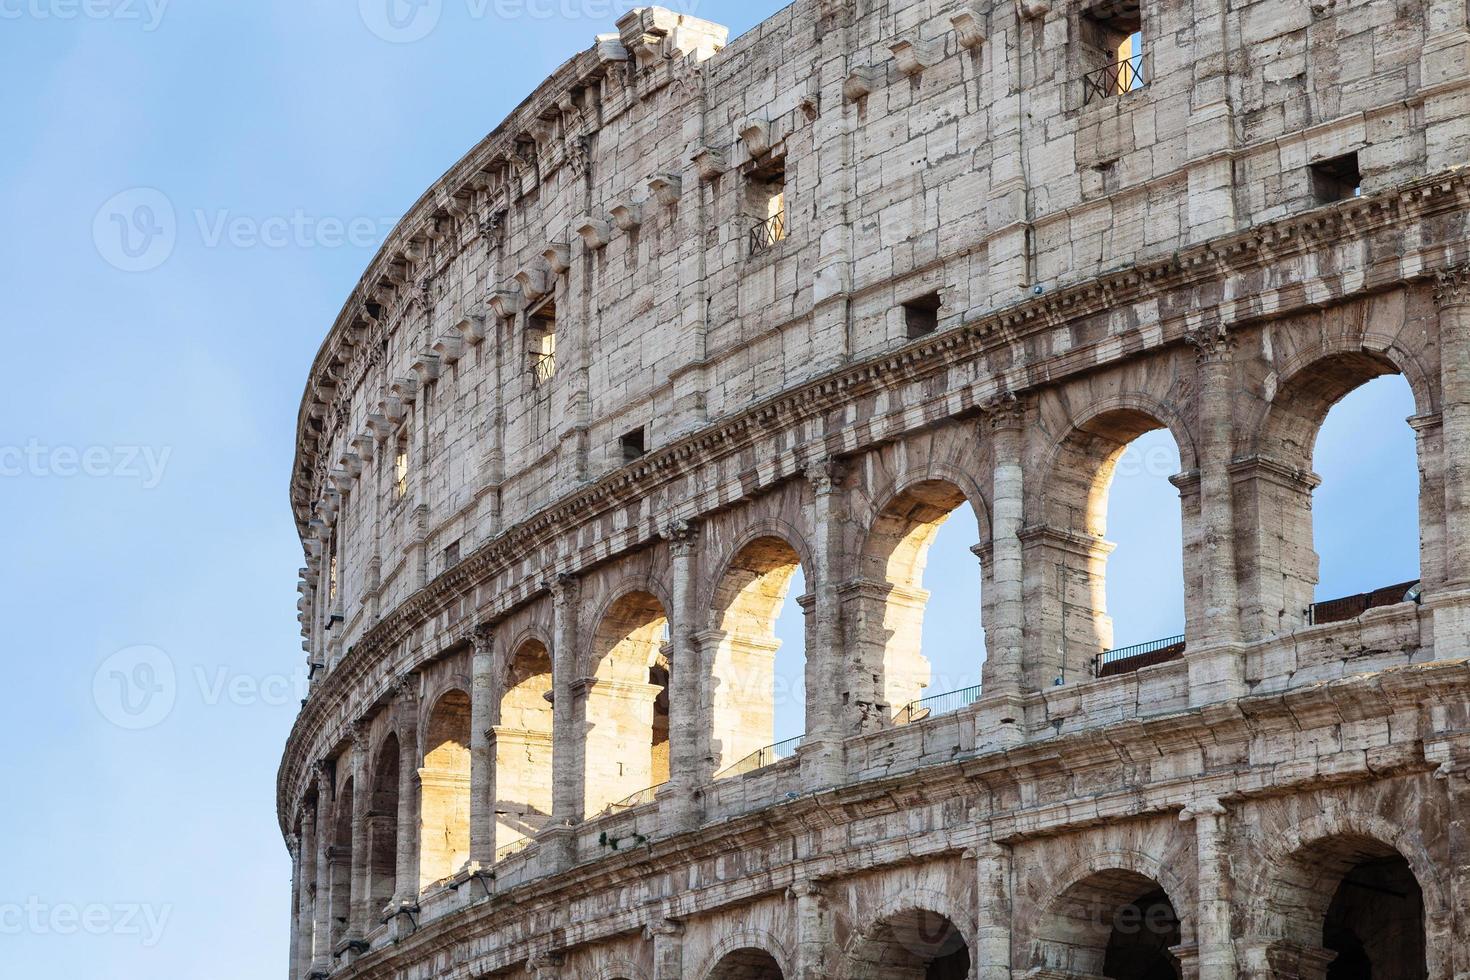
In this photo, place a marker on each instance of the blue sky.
(147, 527)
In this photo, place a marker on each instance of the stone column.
(1216, 662)
(992, 953)
(406, 869)
(362, 795)
(1216, 947)
(815, 939)
(826, 681)
(667, 936)
(321, 949)
(482, 768)
(999, 718)
(688, 724)
(568, 794)
(298, 899)
(306, 889)
(1452, 605)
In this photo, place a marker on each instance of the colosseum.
(705, 313)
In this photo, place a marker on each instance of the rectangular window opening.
(765, 205)
(400, 469)
(1112, 43)
(451, 555)
(634, 444)
(921, 316)
(1337, 179)
(541, 344)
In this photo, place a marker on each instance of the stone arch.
(1066, 550)
(620, 968)
(435, 690)
(917, 935)
(886, 609)
(747, 955)
(624, 700)
(746, 598)
(522, 741)
(1278, 561)
(382, 882)
(339, 860)
(444, 788)
(1119, 914)
(1299, 877)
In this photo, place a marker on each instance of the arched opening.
(754, 675)
(522, 746)
(339, 859)
(1114, 923)
(383, 828)
(1335, 471)
(1357, 899)
(1109, 606)
(916, 944)
(627, 703)
(890, 607)
(444, 780)
(747, 964)
(1365, 513)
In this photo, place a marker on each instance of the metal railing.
(767, 233)
(515, 846)
(543, 366)
(1125, 660)
(763, 757)
(936, 705)
(1115, 79)
(1353, 606)
(637, 799)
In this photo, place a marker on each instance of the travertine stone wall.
(573, 434)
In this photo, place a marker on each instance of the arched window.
(383, 829)
(1113, 467)
(444, 844)
(757, 677)
(890, 605)
(523, 746)
(626, 740)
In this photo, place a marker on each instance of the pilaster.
(406, 870)
(1215, 946)
(993, 953)
(483, 703)
(689, 726)
(815, 938)
(667, 937)
(362, 795)
(826, 682)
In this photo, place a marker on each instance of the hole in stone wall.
(921, 315)
(1337, 179)
(633, 444)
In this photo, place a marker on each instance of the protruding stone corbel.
(1034, 9)
(449, 347)
(406, 390)
(351, 464)
(472, 329)
(558, 256)
(914, 56)
(969, 27)
(667, 188)
(610, 50)
(756, 135)
(506, 301)
(426, 365)
(710, 163)
(627, 215)
(535, 282)
(859, 84)
(365, 443)
(595, 233)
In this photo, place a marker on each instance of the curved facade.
(701, 314)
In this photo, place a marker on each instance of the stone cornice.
(979, 336)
